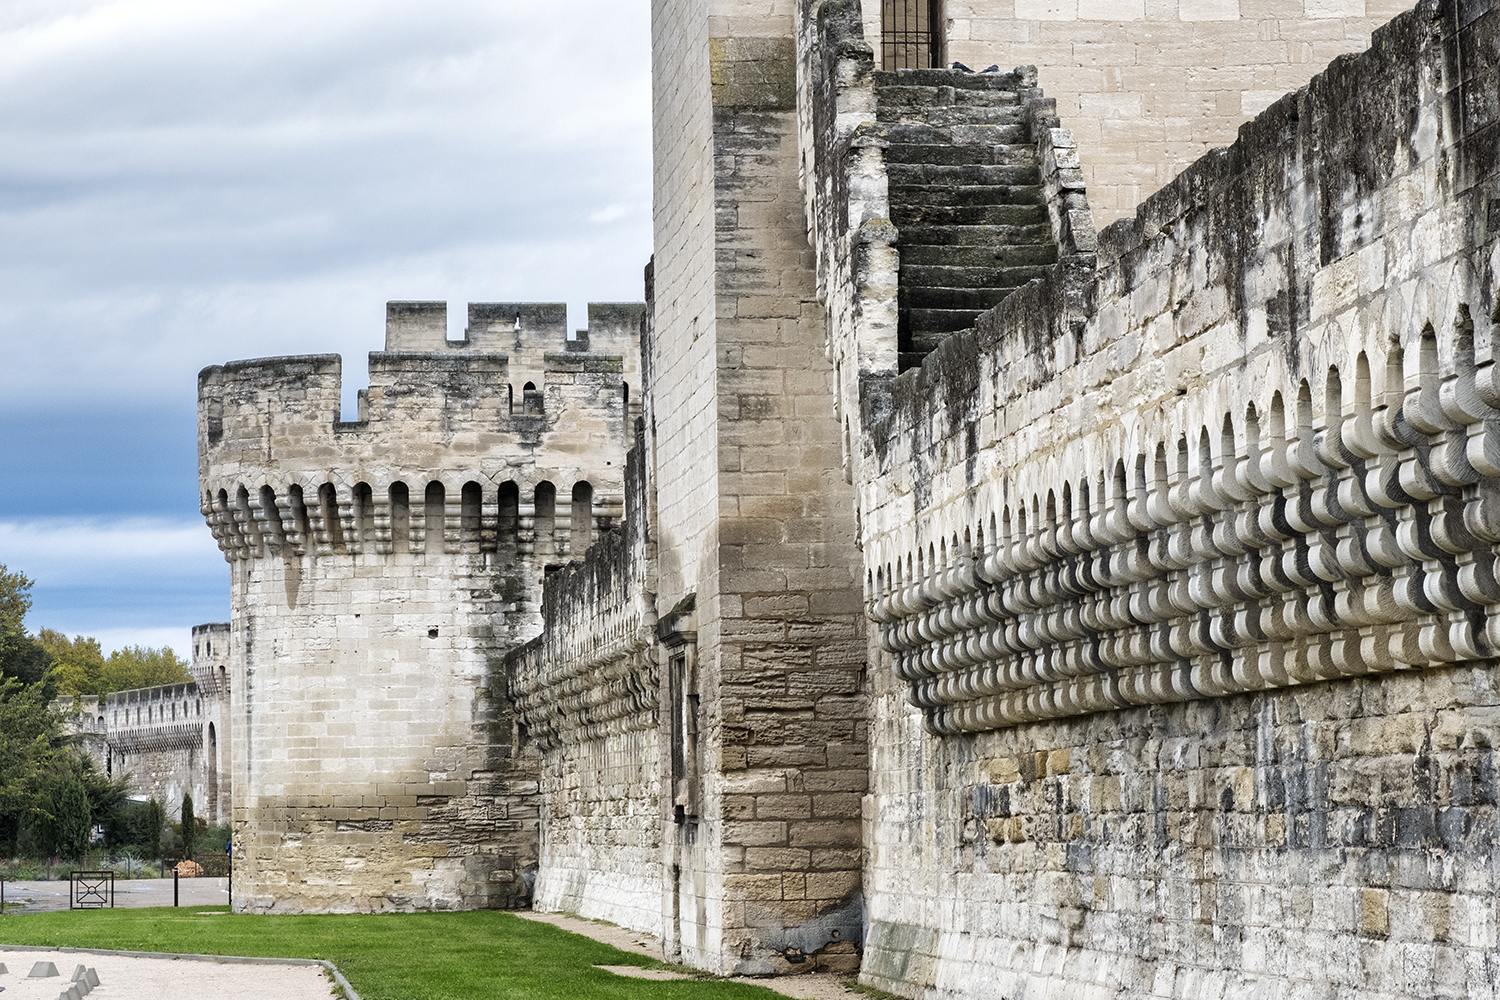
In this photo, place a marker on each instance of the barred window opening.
(911, 34)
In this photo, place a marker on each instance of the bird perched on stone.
(961, 66)
(992, 69)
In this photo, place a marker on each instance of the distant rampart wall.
(157, 736)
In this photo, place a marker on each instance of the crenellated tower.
(379, 567)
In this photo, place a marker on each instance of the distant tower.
(378, 569)
(211, 672)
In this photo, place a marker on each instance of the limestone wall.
(1149, 86)
(1183, 570)
(210, 669)
(780, 674)
(379, 569)
(156, 735)
(588, 692)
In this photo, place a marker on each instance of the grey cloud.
(181, 184)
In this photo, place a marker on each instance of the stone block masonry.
(379, 569)
(170, 740)
(1151, 85)
(1181, 564)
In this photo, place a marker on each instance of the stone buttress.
(379, 568)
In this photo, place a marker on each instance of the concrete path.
(44, 897)
(806, 986)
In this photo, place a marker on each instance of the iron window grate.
(909, 36)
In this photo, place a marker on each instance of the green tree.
(188, 831)
(15, 602)
(78, 662)
(73, 821)
(107, 795)
(156, 820)
(20, 655)
(31, 753)
(141, 667)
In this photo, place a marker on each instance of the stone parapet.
(1230, 459)
(593, 670)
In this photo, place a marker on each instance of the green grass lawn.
(405, 956)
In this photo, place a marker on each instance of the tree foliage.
(156, 822)
(21, 656)
(15, 601)
(141, 667)
(82, 668)
(47, 792)
(188, 827)
(78, 663)
(73, 818)
(31, 754)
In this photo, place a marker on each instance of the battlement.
(516, 401)
(512, 327)
(155, 719)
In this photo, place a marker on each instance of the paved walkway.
(806, 986)
(44, 897)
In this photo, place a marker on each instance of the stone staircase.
(965, 195)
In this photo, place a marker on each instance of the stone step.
(988, 134)
(966, 174)
(947, 154)
(927, 297)
(966, 194)
(933, 97)
(966, 215)
(948, 115)
(988, 257)
(1003, 82)
(922, 343)
(950, 276)
(929, 321)
(1038, 232)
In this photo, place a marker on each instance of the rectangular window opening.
(911, 34)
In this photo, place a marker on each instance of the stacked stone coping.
(1255, 447)
(279, 470)
(150, 720)
(847, 192)
(592, 673)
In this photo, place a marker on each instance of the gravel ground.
(808, 986)
(122, 978)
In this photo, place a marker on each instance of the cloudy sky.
(185, 183)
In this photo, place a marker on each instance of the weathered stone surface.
(1238, 444)
(379, 569)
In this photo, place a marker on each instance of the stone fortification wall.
(156, 735)
(171, 739)
(1149, 86)
(588, 691)
(83, 721)
(379, 569)
(1183, 567)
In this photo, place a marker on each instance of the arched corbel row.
(1341, 527)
